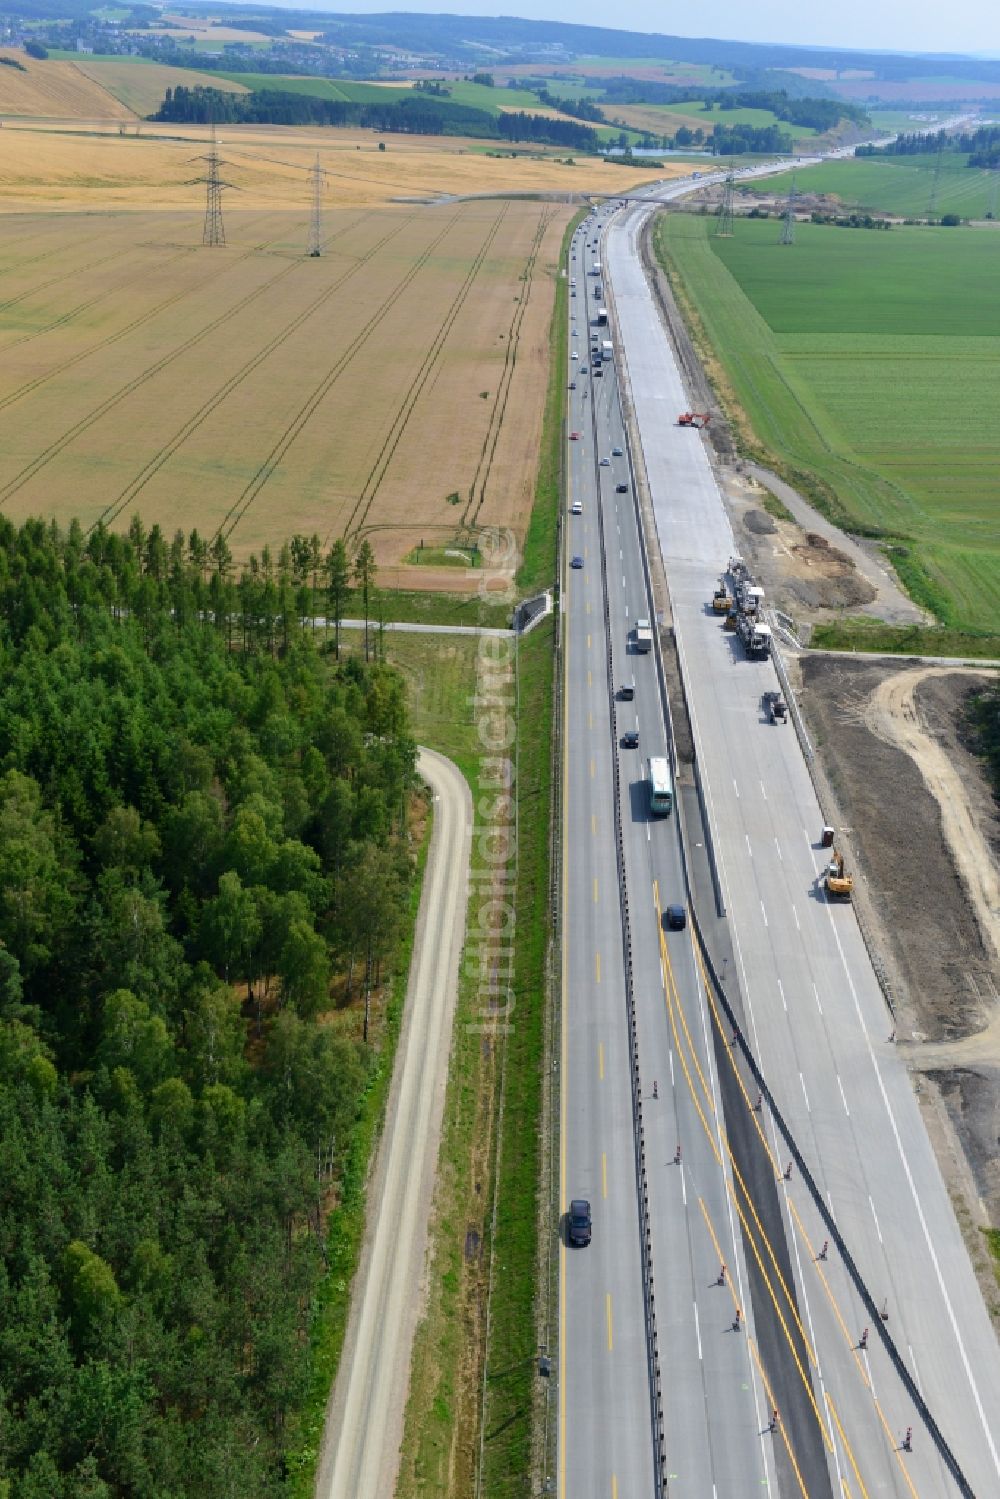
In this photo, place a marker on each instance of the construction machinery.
(775, 707)
(838, 882)
(755, 636)
(721, 600)
(694, 419)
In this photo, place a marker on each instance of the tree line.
(739, 140)
(421, 113)
(203, 847)
(982, 145)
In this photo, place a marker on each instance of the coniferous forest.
(202, 838)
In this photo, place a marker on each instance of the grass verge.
(538, 565)
(859, 633)
(512, 1373)
(420, 608)
(346, 1227)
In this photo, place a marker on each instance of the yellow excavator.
(839, 883)
(721, 601)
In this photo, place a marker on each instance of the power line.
(316, 218)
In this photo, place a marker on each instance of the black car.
(675, 918)
(579, 1224)
(630, 739)
(621, 489)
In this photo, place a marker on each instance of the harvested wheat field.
(152, 166)
(51, 88)
(392, 387)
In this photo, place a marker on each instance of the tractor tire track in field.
(54, 281)
(104, 296)
(481, 477)
(370, 488)
(111, 513)
(59, 248)
(239, 508)
(145, 317)
(64, 276)
(81, 307)
(60, 443)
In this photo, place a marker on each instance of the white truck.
(595, 269)
(607, 350)
(756, 637)
(643, 635)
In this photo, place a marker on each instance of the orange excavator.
(694, 419)
(839, 883)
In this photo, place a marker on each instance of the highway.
(810, 1010)
(716, 1389)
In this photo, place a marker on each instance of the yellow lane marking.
(593, 823)
(674, 1007)
(614, 1487)
(812, 1255)
(783, 1429)
(592, 769)
(595, 889)
(737, 1175)
(611, 1341)
(588, 606)
(847, 1446)
(851, 1342)
(600, 1060)
(590, 680)
(604, 1173)
(597, 966)
(588, 641)
(590, 720)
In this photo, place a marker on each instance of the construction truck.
(721, 600)
(750, 599)
(694, 419)
(643, 635)
(756, 637)
(838, 882)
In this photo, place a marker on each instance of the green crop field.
(319, 88)
(869, 364)
(900, 184)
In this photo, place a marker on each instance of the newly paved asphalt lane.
(815, 1019)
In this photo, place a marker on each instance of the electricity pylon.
(788, 218)
(315, 220)
(214, 232)
(935, 185)
(724, 227)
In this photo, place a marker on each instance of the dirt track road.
(892, 715)
(364, 1423)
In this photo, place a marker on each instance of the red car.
(574, 437)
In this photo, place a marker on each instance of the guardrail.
(658, 1430)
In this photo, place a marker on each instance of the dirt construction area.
(924, 829)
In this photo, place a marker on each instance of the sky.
(970, 26)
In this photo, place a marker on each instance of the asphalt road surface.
(365, 1418)
(817, 1024)
(719, 1375)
